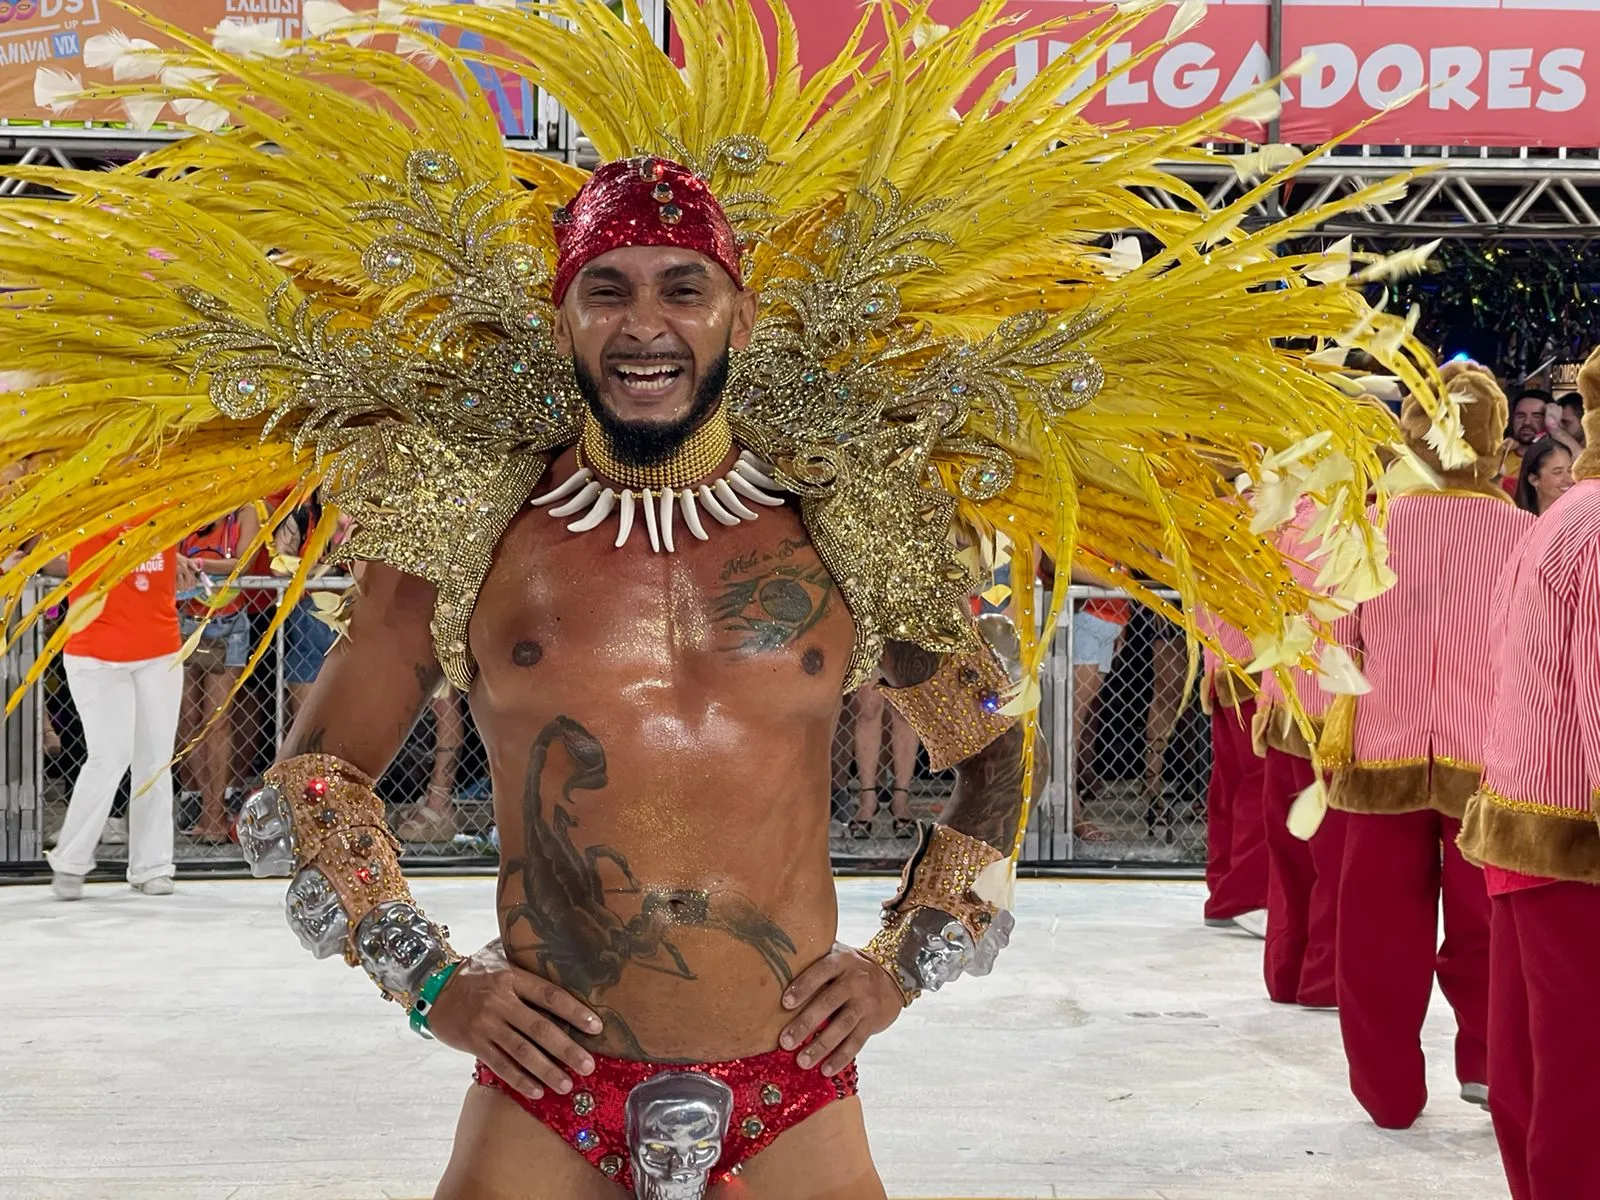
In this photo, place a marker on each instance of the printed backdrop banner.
(51, 33)
(1492, 72)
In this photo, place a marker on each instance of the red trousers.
(1236, 833)
(1302, 890)
(1395, 868)
(1544, 1039)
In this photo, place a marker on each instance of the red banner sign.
(1495, 72)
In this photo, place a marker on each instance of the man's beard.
(651, 443)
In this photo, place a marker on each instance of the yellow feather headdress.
(345, 288)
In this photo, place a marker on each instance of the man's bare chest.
(750, 601)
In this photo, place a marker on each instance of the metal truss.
(1484, 195)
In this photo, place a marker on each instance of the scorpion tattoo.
(577, 940)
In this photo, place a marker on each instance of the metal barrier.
(1130, 759)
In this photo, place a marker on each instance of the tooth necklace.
(659, 492)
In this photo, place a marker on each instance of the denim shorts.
(1094, 641)
(306, 642)
(230, 632)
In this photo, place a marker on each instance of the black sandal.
(860, 831)
(903, 826)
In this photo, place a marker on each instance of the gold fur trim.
(1275, 728)
(1534, 839)
(1387, 786)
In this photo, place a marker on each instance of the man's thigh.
(503, 1153)
(825, 1157)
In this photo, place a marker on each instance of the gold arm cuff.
(941, 874)
(955, 711)
(339, 828)
(884, 949)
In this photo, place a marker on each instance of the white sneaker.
(1476, 1093)
(1253, 922)
(66, 887)
(161, 885)
(115, 833)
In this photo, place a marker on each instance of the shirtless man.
(658, 727)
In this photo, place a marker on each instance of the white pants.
(129, 712)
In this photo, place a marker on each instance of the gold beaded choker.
(701, 453)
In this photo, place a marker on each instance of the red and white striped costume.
(1302, 877)
(1533, 827)
(1417, 752)
(1236, 832)
(1425, 647)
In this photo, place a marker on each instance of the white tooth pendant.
(713, 506)
(691, 515)
(668, 496)
(626, 520)
(751, 491)
(756, 471)
(587, 496)
(650, 526)
(574, 482)
(601, 510)
(732, 503)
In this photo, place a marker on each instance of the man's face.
(649, 329)
(1572, 421)
(1527, 420)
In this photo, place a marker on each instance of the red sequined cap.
(641, 202)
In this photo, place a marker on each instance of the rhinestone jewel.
(1080, 383)
(366, 875)
(316, 789)
(662, 193)
(990, 702)
(363, 843)
(770, 1094)
(245, 387)
(394, 260)
(328, 817)
(988, 477)
(671, 214)
(583, 1103)
(586, 1140)
(610, 1165)
(432, 166)
(968, 676)
(471, 400)
(752, 1126)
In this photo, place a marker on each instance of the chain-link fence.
(1130, 755)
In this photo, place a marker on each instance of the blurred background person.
(872, 714)
(435, 821)
(126, 683)
(1415, 754)
(212, 669)
(1525, 426)
(1563, 420)
(1546, 476)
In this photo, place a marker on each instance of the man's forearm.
(988, 798)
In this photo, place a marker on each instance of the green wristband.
(431, 988)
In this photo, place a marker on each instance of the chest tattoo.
(769, 599)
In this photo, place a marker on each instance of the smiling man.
(659, 673)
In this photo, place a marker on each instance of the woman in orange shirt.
(125, 679)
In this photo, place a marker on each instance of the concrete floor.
(185, 1048)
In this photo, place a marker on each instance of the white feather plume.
(129, 58)
(56, 90)
(143, 111)
(1337, 262)
(249, 39)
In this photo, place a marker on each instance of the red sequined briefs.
(771, 1093)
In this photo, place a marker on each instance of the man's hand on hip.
(516, 1022)
(850, 994)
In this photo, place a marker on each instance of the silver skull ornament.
(399, 947)
(676, 1124)
(316, 914)
(940, 949)
(266, 833)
